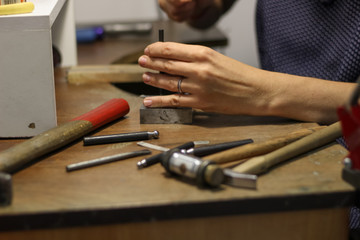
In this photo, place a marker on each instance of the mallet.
(16, 157)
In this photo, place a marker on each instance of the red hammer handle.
(108, 112)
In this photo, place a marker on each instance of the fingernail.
(147, 102)
(142, 60)
(146, 51)
(146, 78)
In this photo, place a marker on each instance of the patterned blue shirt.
(313, 38)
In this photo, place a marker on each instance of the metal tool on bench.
(189, 149)
(146, 162)
(165, 115)
(205, 173)
(21, 154)
(214, 148)
(107, 159)
(350, 122)
(164, 149)
(121, 137)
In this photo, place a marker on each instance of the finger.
(174, 100)
(172, 67)
(178, 51)
(168, 82)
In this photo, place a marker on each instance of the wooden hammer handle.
(317, 139)
(256, 149)
(16, 157)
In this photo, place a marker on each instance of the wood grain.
(116, 73)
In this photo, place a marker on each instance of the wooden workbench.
(301, 199)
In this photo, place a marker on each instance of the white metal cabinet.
(27, 91)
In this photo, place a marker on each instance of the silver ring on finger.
(179, 86)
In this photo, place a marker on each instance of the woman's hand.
(216, 83)
(211, 81)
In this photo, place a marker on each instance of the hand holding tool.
(103, 160)
(165, 115)
(122, 137)
(317, 139)
(16, 157)
(256, 149)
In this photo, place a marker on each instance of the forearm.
(304, 98)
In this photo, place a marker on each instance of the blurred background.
(238, 25)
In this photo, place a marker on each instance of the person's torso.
(310, 38)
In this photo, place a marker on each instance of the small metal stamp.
(122, 137)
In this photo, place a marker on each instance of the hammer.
(16, 157)
(315, 140)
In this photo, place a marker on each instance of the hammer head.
(5, 189)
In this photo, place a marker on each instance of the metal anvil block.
(165, 115)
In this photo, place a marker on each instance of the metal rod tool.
(108, 159)
(164, 149)
(214, 148)
(121, 137)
